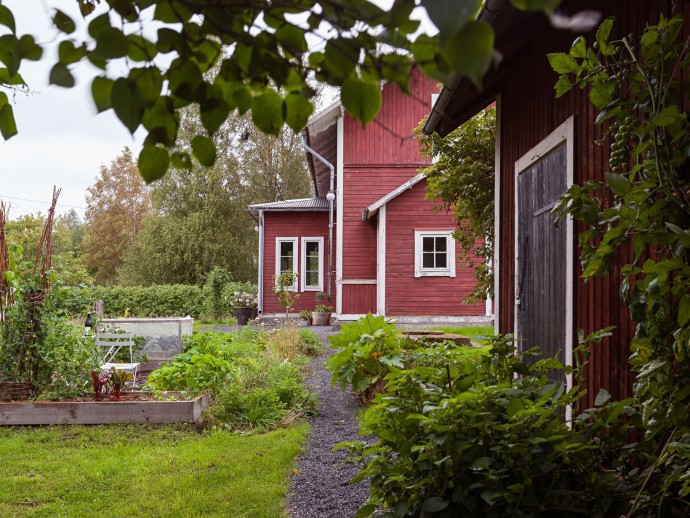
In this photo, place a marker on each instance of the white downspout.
(260, 282)
(330, 197)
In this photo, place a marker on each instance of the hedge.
(176, 300)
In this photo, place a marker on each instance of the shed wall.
(294, 224)
(529, 112)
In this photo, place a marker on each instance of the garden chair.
(112, 343)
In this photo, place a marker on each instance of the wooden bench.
(112, 343)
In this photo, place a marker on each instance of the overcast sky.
(62, 141)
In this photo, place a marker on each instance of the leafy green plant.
(323, 308)
(641, 212)
(191, 371)
(215, 282)
(368, 349)
(116, 383)
(461, 439)
(282, 288)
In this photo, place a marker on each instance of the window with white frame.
(286, 257)
(312, 264)
(434, 253)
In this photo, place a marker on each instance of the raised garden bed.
(133, 407)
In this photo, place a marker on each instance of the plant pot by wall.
(244, 314)
(321, 319)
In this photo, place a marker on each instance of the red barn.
(368, 238)
(544, 145)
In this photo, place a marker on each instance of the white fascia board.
(374, 207)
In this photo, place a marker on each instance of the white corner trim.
(374, 207)
(419, 270)
(381, 263)
(497, 217)
(303, 262)
(262, 251)
(339, 216)
(295, 252)
(565, 133)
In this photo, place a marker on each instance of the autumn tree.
(263, 52)
(462, 179)
(116, 206)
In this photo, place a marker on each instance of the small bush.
(290, 342)
(191, 371)
(312, 346)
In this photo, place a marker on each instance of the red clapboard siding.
(378, 158)
(294, 224)
(405, 294)
(359, 299)
(529, 112)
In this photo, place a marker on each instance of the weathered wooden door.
(541, 301)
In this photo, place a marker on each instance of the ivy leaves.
(235, 56)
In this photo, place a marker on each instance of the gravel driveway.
(322, 486)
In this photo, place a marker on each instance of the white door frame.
(565, 133)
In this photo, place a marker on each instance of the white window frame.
(295, 250)
(419, 270)
(306, 240)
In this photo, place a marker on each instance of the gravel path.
(322, 486)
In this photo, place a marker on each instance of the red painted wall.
(378, 158)
(294, 224)
(405, 294)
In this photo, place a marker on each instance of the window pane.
(287, 256)
(427, 244)
(285, 264)
(428, 260)
(286, 249)
(312, 278)
(312, 248)
(441, 260)
(441, 244)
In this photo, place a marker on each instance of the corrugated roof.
(302, 204)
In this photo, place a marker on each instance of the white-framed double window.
(312, 264)
(434, 253)
(286, 257)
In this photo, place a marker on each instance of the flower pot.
(243, 315)
(321, 319)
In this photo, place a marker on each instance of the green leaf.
(366, 511)
(101, 91)
(204, 150)
(562, 86)
(434, 504)
(147, 84)
(267, 112)
(666, 116)
(7, 19)
(619, 184)
(448, 25)
(684, 310)
(292, 39)
(602, 397)
(153, 162)
(126, 104)
(8, 126)
(362, 99)
(562, 63)
(475, 35)
(298, 109)
(63, 22)
(340, 58)
(61, 76)
(182, 161)
(98, 24)
(141, 49)
(111, 43)
(6, 79)
(491, 496)
(603, 33)
(579, 48)
(68, 53)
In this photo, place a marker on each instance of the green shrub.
(460, 439)
(224, 345)
(191, 371)
(312, 346)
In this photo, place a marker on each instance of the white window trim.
(419, 271)
(294, 241)
(306, 240)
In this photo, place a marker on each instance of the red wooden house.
(543, 145)
(368, 238)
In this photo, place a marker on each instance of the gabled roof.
(372, 209)
(301, 204)
(321, 135)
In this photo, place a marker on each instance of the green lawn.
(152, 471)
(467, 331)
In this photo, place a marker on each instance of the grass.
(199, 323)
(153, 471)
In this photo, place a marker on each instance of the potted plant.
(244, 304)
(282, 289)
(322, 315)
(306, 316)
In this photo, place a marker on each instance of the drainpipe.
(260, 282)
(330, 197)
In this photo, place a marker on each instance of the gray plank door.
(541, 262)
